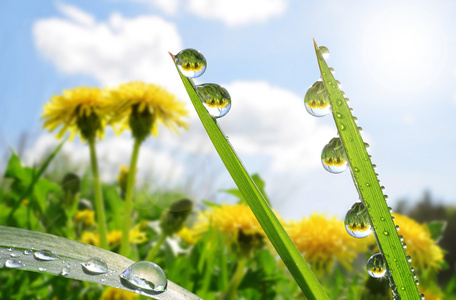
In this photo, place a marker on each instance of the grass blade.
(268, 221)
(74, 253)
(369, 187)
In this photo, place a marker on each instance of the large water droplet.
(191, 63)
(333, 156)
(376, 266)
(357, 221)
(13, 263)
(95, 265)
(216, 99)
(324, 51)
(316, 100)
(146, 275)
(45, 255)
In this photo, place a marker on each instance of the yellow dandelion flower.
(140, 107)
(90, 238)
(114, 237)
(188, 236)
(421, 247)
(322, 241)
(111, 293)
(137, 235)
(86, 217)
(82, 110)
(229, 219)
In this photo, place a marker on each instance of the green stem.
(125, 247)
(231, 291)
(99, 206)
(157, 246)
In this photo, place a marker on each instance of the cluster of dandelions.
(137, 106)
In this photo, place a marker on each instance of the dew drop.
(332, 70)
(13, 263)
(412, 269)
(333, 157)
(356, 169)
(10, 249)
(357, 221)
(146, 275)
(28, 252)
(41, 269)
(386, 233)
(421, 296)
(316, 100)
(390, 209)
(324, 51)
(404, 245)
(382, 218)
(417, 282)
(376, 266)
(397, 227)
(339, 115)
(14, 254)
(401, 238)
(409, 258)
(191, 63)
(342, 127)
(368, 185)
(95, 265)
(45, 255)
(215, 98)
(65, 271)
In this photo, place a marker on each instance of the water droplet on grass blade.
(376, 266)
(146, 275)
(13, 263)
(324, 51)
(28, 252)
(215, 98)
(45, 255)
(333, 156)
(316, 100)
(65, 271)
(95, 265)
(191, 63)
(357, 221)
(41, 269)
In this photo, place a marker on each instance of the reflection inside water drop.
(215, 98)
(191, 63)
(95, 265)
(357, 221)
(316, 100)
(376, 266)
(146, 275)
(333, 157)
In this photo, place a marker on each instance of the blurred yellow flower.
(137, 236)
(229, 219)
(322, 241)
(111, 293)
(82, 110)
(86, 217)
(421, 247)
(140, 107)
(428, 295)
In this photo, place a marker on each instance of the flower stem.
(99, 206)
(157, 246)
(125, 247)
(231, 291)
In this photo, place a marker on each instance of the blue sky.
(395, 61)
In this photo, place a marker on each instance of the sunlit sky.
(395, 60)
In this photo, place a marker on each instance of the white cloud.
(76, 14)
(238, 12)
(118, 50)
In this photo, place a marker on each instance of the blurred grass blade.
(267, 219)
(72, 254)
(369, 187)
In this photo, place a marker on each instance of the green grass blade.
(267, 219)
(369, 187)
(72, 254)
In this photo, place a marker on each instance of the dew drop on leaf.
(42, 269)
(409, 258)
(376, 266)
(357, 221)
(45, 255)
(215, 98)
(13, 263)
(95, 265)
(316, 100)
(324, 51)
(333, 156)
(28, 252)
(191, 63)
(145, 275)
(65, 271)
